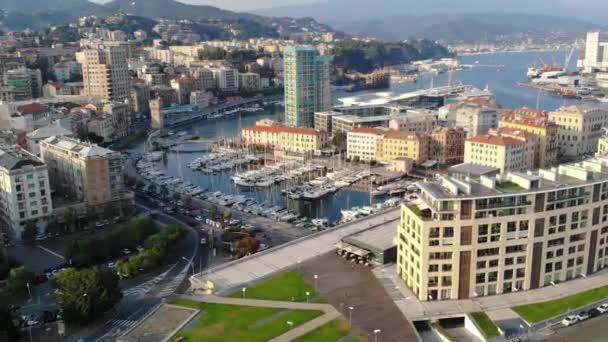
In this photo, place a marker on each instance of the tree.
(177, 196)
(213, 212)
(18, 278)
(339, 140)
(53, 227)
(247, 246)
(227, 215)
(29, 231)
(87, 293)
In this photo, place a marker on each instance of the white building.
(227, 79)
(35, 137)
(596, 53)
(362, 143)
(25, 191)
(500, 152)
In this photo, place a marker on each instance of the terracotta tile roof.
(32, 108)
(403, 135)
(495, 140)
(57, 85)
(280, 129)
(368, 130)
(526, 116)
(512, 132)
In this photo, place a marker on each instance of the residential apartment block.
(307, 89)
(25, 194)
(498, 151)
(447, 145)
(476, 118)
(290, 139)
(84, 172)
(513, 232)
(580, 127)
(105, 70)
(362, 143)
(398, 144)
(545, 132)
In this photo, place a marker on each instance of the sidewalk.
(415, 309)
(330, 313)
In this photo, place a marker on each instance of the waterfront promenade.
(238, 273)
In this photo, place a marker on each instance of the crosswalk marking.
(174, 284)
(141, 289)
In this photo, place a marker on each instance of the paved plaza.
(261, 265)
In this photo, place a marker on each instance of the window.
(481, 264)
(433, 268)
(448, 232)
(480, 278)
(493, 263)
(548, 267)
(508, 274)
(446, 267)
(492, 276)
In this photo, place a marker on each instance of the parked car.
(111, 265)
(603, 308)
(594, 312)
(126, 251)
(582, 316)
(203, 241)
(199, 219)
(569, 320)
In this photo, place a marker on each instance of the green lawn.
(330, 332)
(220, 322)
(488, 328)
(508, 187)
(287, 286)
(537, 312)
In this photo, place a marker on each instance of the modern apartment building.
(105, 70)
(544, 131)
(513, 232)
(227, 79)
(398, 144)
(362, 143)
(502, 152)
(25, 194)
(290, 139)
(447, 145)
(346, 123)
(323, 120)
(596, 52)
(84, 172)
(307, 89)
(580, 127)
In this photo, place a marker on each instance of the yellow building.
(580, 128)
(290, 139)
(447, 145)
(397, 144)
(546, 133)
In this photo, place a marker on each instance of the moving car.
(569, 320)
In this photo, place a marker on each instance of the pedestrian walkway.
(260, 265)
(414, 309)
(330, 313)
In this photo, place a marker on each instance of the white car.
(111, 265)
(569, 320)
(582, 316)
(199, 219)
(126, 251)
(603, 308)
(203, 241)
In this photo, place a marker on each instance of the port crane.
(569, 55)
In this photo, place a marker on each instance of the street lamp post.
(290, 324)
(376, 332)
(307, 294)
(244, 290)
(350, 315)
(316, 277)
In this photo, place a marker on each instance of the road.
(593, 330)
